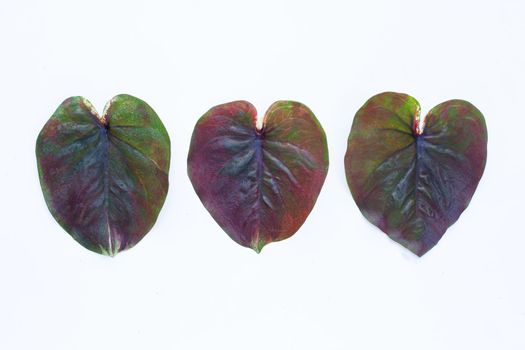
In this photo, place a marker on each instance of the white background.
(339, 283)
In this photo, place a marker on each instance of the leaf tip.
(112, 250)
(416, 247)
(257, 245)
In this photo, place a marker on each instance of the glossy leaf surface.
(105, 178)
(413, 178)
(259, 185)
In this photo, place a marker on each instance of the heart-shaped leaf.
(258, 184)
(413, 178)
(105, 178)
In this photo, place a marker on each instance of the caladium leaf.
(104, 178)
(259, 184)
(413, 178)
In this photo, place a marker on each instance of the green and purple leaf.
(413, 178)
(258, 184)
(105, 178)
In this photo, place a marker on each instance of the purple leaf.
(413, 178)
(258, 184)
(105, 178)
